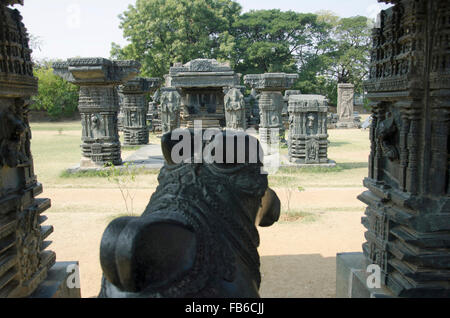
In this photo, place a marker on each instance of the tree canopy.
(162, 32)
(56, 96)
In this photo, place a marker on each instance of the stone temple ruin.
(98, 104)
(27, 267)
(408, 184)
(408, 196)
(134, 108)
(308, 135)
(201, 84)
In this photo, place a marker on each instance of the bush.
(55, 96)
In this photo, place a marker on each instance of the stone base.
(86, 163)
(351, 278)
(55, 285)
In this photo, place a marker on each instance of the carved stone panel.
(24, 260)
(235, 110)
(407, 218)
(308, 136)
(170, 109)
(345, 107)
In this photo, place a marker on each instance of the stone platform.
(56, 284)
(148, 157)
(351, 278)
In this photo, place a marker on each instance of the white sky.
(69, 28)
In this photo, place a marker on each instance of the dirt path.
(298, 259)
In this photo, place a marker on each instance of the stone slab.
(55, 285)
(351, 278)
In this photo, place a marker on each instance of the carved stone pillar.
(170, 109)
(25, 262)
(98, 104)
(270, 102)
(134, 108)
(408, 213)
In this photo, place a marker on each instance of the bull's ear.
(167, 145)
(270, 210)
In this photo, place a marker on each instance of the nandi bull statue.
(197, 238)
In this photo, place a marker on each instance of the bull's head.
(244, 149)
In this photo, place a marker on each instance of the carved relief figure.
(347, 104)
(235, 109)
(170, 110)
(312, 150)
(12, 134)
(385, 131)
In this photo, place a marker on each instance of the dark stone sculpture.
(271, 103)
(235, 110)
(252, 109)
(201, 83)
(408, 197)
(345, 107)
(308, 136)
(197, 237)
(25, 261)
(154, 113)
(98, 104)
(134, 108)
(170, 109)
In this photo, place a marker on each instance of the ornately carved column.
(271, 86)
(25, 262)
(135, 107)
(98, 104)
(408, 202)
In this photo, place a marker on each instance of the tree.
(162, 32)
(272, 40)
(348, 61)
(56, 96)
